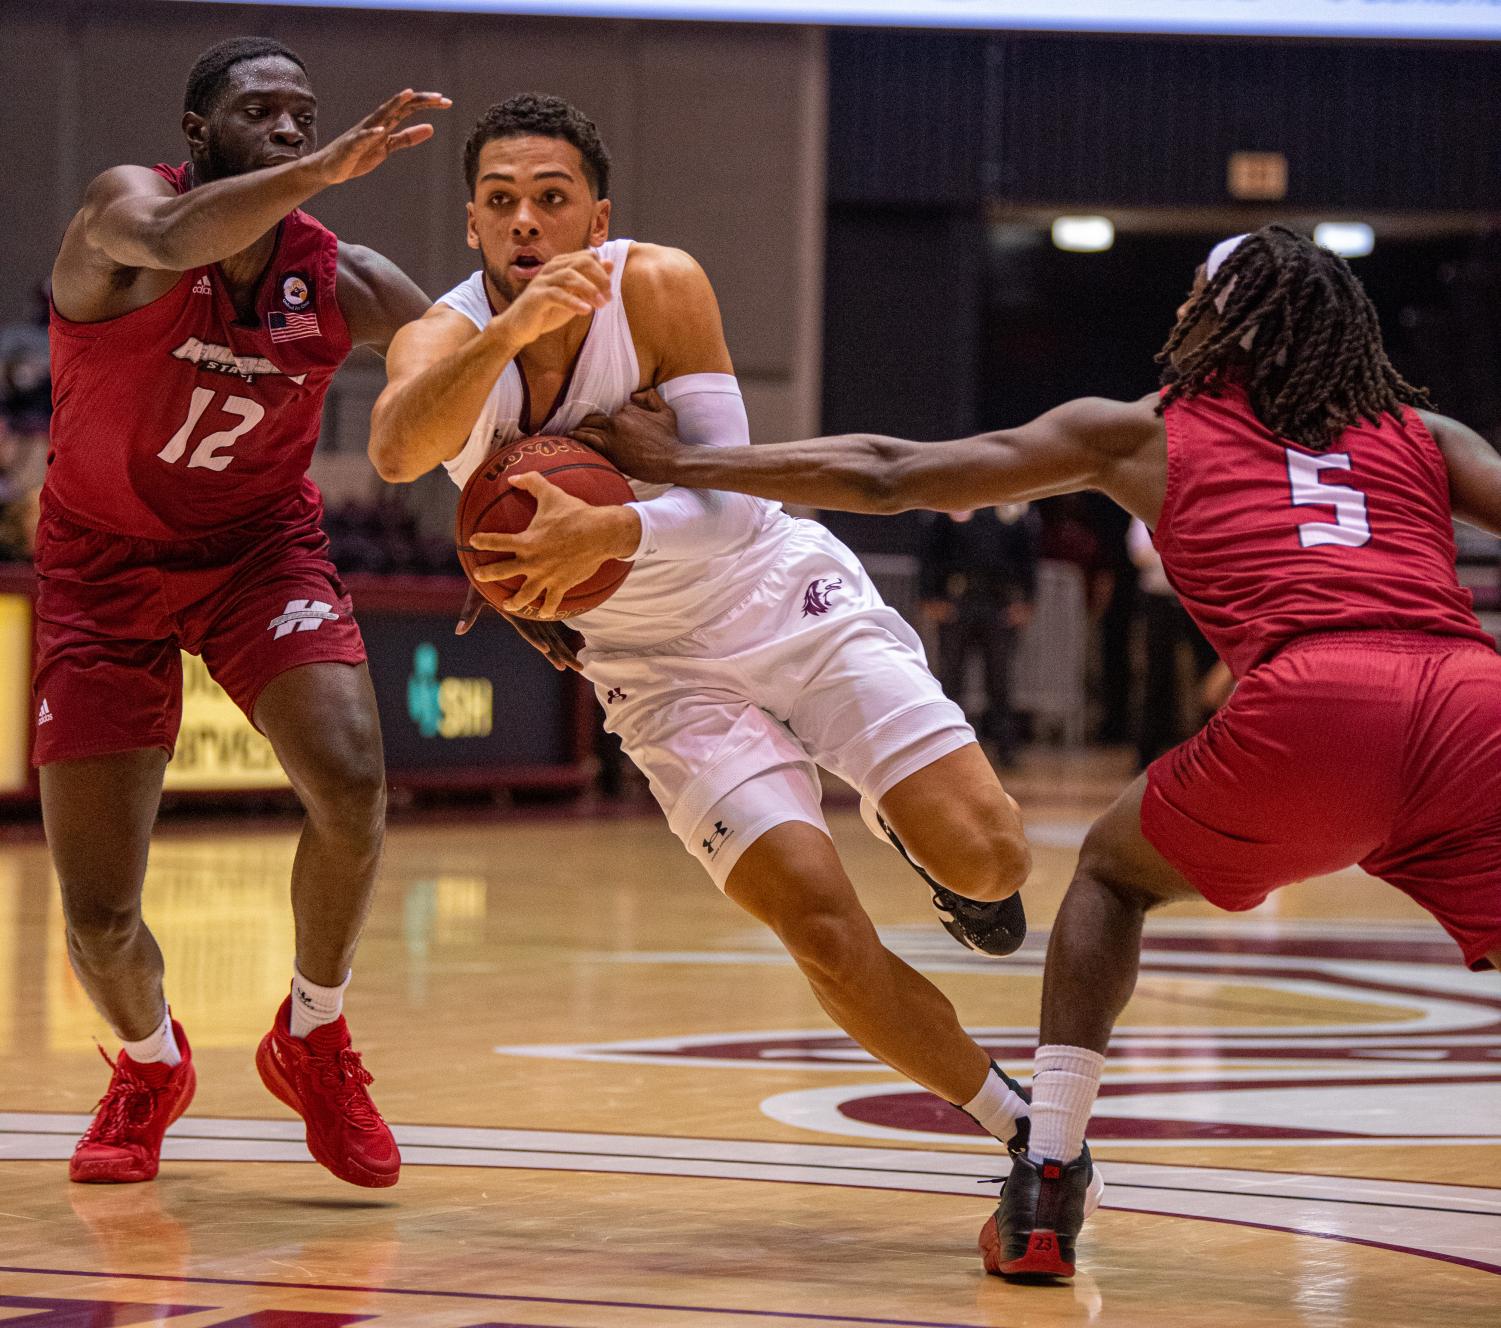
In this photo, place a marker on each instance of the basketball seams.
(570, 456)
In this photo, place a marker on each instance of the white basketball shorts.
(730, 722)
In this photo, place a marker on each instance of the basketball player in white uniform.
(745, 648)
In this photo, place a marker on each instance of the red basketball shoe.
(124, 1142)
(322, 1079)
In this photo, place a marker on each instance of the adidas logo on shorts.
(301, 615)
(44, 713)
(201, 287)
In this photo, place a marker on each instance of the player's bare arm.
(676, 324)
(1117, 447)
(1474, 471)
(376, 297)
(440, 369)
(134, 234)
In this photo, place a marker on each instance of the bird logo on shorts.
(816, 596)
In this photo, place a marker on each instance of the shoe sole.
(80, 1175)
(276, 1084)
(1042, 1261)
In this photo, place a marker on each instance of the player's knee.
(96, 930)
(1102, 864)
(345, 793)
(832, 947)
(986, 858)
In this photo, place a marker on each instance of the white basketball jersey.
(661, 598)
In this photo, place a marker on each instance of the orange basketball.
(490, 503)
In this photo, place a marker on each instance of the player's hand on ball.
(566, 287)
(360, 150)
(565, 544)
(641, 438)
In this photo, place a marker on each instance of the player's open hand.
(569, 286)
(360, 150)
(641, 438)
(565, 543)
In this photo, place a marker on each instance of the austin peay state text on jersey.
(179, 419)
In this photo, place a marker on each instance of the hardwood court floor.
(620, 1106)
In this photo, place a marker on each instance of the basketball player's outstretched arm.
(1090, 443)
(1474, 472)
(131, 217)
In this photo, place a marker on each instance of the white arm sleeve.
(688, 523)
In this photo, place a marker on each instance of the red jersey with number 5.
(179, 418)
(1265, 540)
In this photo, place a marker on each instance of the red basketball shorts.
(1370, 748)
(113, 612)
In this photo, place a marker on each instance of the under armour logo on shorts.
(816, 596)
(614, 695)
(716, 841)
(301, 615)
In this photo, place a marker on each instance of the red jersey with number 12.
(1265, 540)
(179, 419)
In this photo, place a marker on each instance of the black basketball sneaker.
(996, 928)
(1031, 1236)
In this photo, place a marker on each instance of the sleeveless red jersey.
(178, 419)
(1265, 540)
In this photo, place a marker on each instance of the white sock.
(159, 1047)
(1065, 1083)
(996, 1107)
(312, 1005)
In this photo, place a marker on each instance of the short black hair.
(210, 71)
(549, 117)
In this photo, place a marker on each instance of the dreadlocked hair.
(1313, 363)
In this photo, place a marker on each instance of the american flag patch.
(292, 327)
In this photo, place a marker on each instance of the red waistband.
(1410, 643)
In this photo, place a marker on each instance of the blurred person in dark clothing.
(978, 582)
(25, 408)
(1168, 628)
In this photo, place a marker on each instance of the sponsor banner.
(217, 747)
(15, 701)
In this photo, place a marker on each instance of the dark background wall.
(947, 308)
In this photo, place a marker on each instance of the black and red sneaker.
(1032, 1234)
(990, 927)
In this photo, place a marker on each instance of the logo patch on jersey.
(301, 615)
(222, 360)
(816, 596)
(295, 292)
(292, 327)
(202, 287)
(44, 713)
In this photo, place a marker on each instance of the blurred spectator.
(25, 370)
(25, 409)
(978, 581)
(381, 536)
(1168, 629)
(1117, 660)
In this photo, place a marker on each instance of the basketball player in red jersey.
(198, 317)
(1302, 505)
